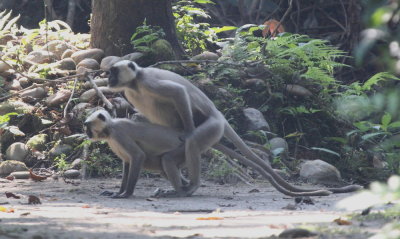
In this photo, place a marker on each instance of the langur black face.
(122, 74)
(96, 125)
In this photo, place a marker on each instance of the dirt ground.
(233, 211)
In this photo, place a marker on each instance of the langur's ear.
(132, 66)
(101, 117)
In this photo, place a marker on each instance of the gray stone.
(74, 139)
(67, 54)
(66, 64)
(98, 82)
(255, 120)
(89, 64)
(37, 142)
(58, 98)
(109, 61)
(57, 47)
(4, 67)
(79, 110)
(15, 106)
(279, 146)
(35, 93)
(10, 166)
(21, 175)
(318, 171)
(206, 56)
(72, 173)
(76, 164)
(298, 90)
(132, 56)
(60, 149)
(17, 151)
(91, 94)
(95, 53)
(40, 57)
(6, 38)
(13, 85)
(24, 82)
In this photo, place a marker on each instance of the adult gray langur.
(168, 99)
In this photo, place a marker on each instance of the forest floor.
(76, 210)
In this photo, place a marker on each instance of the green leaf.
(363, 126)
(204, 2)
(375, 79)
(326, 151)
(338, 139)
(393, 125)
(295, 134)
(223, 29)
(385, 121)
(372, 135)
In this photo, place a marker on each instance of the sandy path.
(69, 211)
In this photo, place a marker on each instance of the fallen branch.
(205, 61)
(101, 95)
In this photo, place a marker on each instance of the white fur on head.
(97, 123)
(122, 74)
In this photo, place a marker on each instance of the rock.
(74, 139)
(15, 106)
(67, 54)
(4, 67)
(82, 70)
(255, 120)
(72, 173)
(24, 82)
(298, 90)
(40, 57)
(135, 56)
(206, 56)
(162, 50)
(30, 123)
(61, 149)
(58, 98)
(318, 171)
(280, 147)
(66, 64)
(57, 47)
(109, 61)
(17, 151)
(9, 135)
(13, 85)
(37, 142)
(89, 64)
(6, 38)
(254, 82)
(99, 82)
(21, 175)
(10, 166)
(94, 53)
(76, 164)
(35, 93)
(91, 94)
(79, 110)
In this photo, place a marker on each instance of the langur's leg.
(125, 172)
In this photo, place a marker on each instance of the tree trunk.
(114, 21)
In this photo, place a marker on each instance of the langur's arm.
(177, 94)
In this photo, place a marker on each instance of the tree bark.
(114, 21)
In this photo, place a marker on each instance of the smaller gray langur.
(143, 145)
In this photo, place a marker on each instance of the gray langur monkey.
(166, 98)
(143, 145)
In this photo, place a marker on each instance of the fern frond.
(375, 79)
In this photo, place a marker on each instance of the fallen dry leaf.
(25, 214)
(271, 26)
(10, 177)
(33, 200)
(9, 195)
(342, 222)
(86, 206)
(35, 177)
(7, 210)
(209, 218)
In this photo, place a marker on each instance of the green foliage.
(218, 168)
(193, 34)
(61, 163)
(6, 22)
(145, 35)
(4, 119)
(102, 162)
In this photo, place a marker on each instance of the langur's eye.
(101, 117)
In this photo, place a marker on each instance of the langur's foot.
(162, 193)
(121, 195)
(106, 193)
